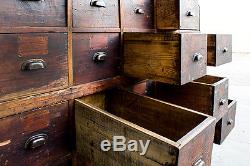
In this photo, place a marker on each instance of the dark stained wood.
(15, 49)
(203, 95)
(172, 14)
(226, 124)
(174, 131)
(20, 30)
(26, 13)
(165, 57)
(20, 104)
(15, 130)
(85, 45)
(219, 49)
(137, 15)
(85, 15)
(91, 30)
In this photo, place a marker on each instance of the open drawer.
(178, 136)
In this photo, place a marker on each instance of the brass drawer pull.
(36, 141)
(222, 102)
(139, 11)
(99, 56)
(98, 3)
(33, 64)
(197, 57)
(225, 49)
(199, 162)
(190, 14)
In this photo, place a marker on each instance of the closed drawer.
(219, 49)
(33, 13)
(38, 136)
(226, 124)
(174, 58)
(32, 63)
(180, 14)
(177, 136)
(137, 15)
(208, 94)
(96, 13)
(95, 56)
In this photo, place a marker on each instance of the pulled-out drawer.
(36, 137)
(208, 94)
(95, 56)
(175, 135)
(226, 124)
(30, 63)
(137, 15)
(96, 13)
(33, 13)
(177, 14)
(174, 58)
(219, 48)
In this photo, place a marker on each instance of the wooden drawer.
(206, 95)
(178, 136)
(137, 15)
(174, 58)
(96, 13)
(226, 124)
(219, 49)
(45, 128)
(33, 13)
(95, 56)
(32, 63)
(177, 14)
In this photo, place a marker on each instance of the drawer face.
(223, 49)
(15, 131)
(87, 47)
(226, 124)
(189, 14)
(35, 13)
(140, 118)
(33, 62)
(96, 13)
(193, 56)
(138, 14)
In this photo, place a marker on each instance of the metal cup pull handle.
(98, 3)
(197, 57)
(36, 141)
(99, 56)
(33, 64)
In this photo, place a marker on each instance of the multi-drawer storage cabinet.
(174, 58)
(173, 131)
(38, 137)
(219, 47)
(32, 63)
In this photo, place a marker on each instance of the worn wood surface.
(226, 124)
(137, 15)
(15, 131)
(18, 48)
(164, 57)
(19, 13)
(85, 15)
(126, 114)
(85, 46)
(172, 14)
(216, 45)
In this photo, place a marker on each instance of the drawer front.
(223, 49)
(138, 14)
(33, 62)
(95, 56)
(193, 57)
(189, 14)
(96, 13)
(34, 13)
(226, 124)
(36, 136)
